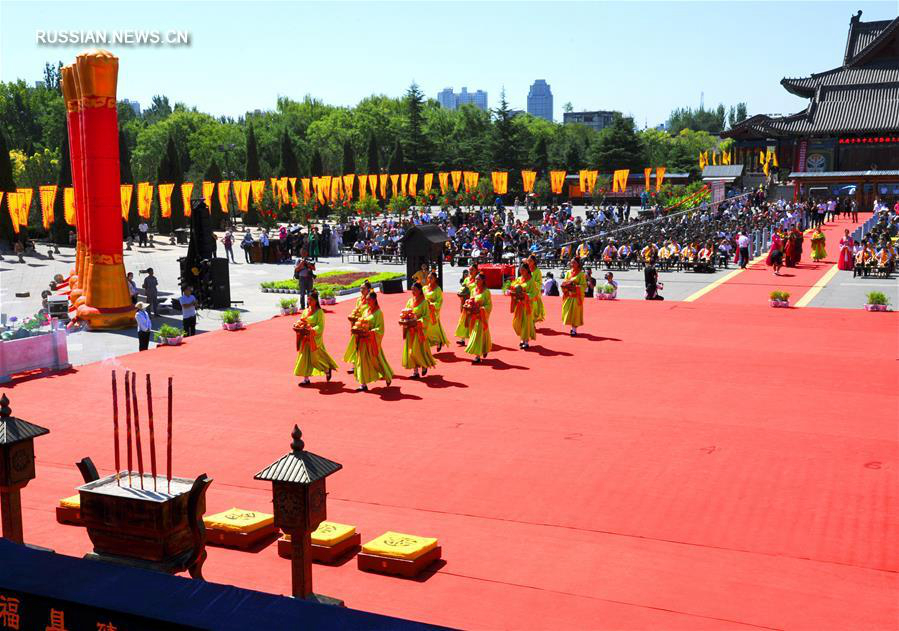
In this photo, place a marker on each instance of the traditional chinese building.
(846, 142)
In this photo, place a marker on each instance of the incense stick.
(152, 433)
(168, 466)
(128, 419)
(115, 426)
(137, 447)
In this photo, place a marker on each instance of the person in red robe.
(775, 254)
(793, 248)
(847, 243)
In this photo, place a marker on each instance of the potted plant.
(606, 292)
(877, 301)
(169, 336)
(288, 306)
(231, 320)
(327, 297)
(779, 298)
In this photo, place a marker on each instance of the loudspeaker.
(220, 284)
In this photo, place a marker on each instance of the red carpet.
(680, 466)
(754, 285)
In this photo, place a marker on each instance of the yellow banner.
(48, 197)
(428, 183)
(208, 188)
(592, 176)
(68, 201)
(774, 159)
(457, 179)
(413, 184)
(144, 199)
(284, 189)
(394, 185)
(293, 191)
(223, 189)
(276, 187)
(373, 185)
(660, 175)
(242, 193)
(335, 188)
(363, 186)
(257, 187)
(619, 180)
(165, 200)
(527, 179)
(28, 194)
(443, 179)
(187, 189)
(471, 180)
(556, 181)
(325, 184)
(500, 181)
(647, 172)
(15, 202)
(307, 189)
(348, 180)
(404, 183)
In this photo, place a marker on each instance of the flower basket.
(779, 299)
(870, 307)
(169, 341)
(779, 303)
(169, 336)
(288, 311)
(328, 301)
(232, 326)
(611, 296)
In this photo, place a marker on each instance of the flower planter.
(877, 307)
(328, 301)
(232, 326)
(602, 296)
(782, 304)
(170, 341)
(291, 311)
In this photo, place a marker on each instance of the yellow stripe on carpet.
(815, 289)
(702, 292)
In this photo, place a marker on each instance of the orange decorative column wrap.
(73, 123)
(107, 300)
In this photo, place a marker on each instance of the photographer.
(304, 272)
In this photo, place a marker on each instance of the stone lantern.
(299, 499)
(16, 467)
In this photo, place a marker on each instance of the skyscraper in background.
(540, 100)
(452, 100)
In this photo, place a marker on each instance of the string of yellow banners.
(324, 189)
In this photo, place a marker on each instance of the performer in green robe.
(573, 288)
(479, 343)
(359, 310)
(312, 356)
(434, 296)
(416, 351)
(371, 364)
(537, 277)
(523, 292)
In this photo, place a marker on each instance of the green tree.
(163, 176)
(736, 114)
(540, 158)
(374, 160)
(252, 172)
(316, 167)
(59, 231)
(397, 162)
(349, 158)
(159, 109)
(618, 146)
(288, 166)
(506, 149)
(176, 176)
(7, 185)
(699, 119)
(216, 214)
(419, 158)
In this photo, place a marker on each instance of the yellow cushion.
(400, 546)
(71, 502)
(330, 533)
(239, 520)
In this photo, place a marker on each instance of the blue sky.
(642, 58)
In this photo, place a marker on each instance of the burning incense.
(128, 419)
(152, 433)
(168, 466)
(115, 426)
(137, 447)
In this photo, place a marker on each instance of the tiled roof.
(861, 35)
(882, 71)
(726, 170)
(15, 430)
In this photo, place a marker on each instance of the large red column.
(107, 301)
(73, 120)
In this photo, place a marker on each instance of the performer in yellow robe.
(371, 364)
(479, 343)
(416, 351)
(312, 356)
(468, 284)
(359, 310)
(524, 295)
(573, 287)
(818, 240)
(537, 276)
(434, 296)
